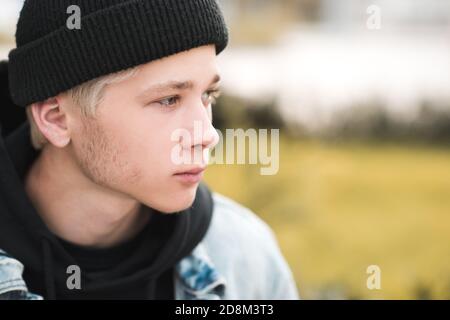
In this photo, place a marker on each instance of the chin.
(179, 201)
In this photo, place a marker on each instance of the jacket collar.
(198, 278)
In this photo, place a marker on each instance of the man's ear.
(51, 120)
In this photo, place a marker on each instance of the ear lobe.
(51, 120)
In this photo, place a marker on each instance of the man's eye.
(169, 102)
(211, 96)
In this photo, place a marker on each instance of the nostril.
(211, 137)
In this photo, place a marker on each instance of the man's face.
(129, 146)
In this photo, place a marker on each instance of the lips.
(190, 177)
(193, 171)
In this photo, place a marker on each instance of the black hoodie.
(24, 235)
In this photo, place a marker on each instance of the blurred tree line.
(372, 122)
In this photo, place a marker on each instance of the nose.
(203, 134)
(210, 135)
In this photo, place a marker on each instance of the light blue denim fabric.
(12, 285)
(239, 258)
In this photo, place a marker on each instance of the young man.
(92, 203)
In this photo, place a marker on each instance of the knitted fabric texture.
(114, 35)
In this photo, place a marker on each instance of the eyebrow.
(174, 85)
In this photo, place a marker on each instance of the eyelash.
(213, 94)
(177, 98)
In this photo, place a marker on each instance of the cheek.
(140, 165)
(146, 140)
(148, 149)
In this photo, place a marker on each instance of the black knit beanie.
(115, 35)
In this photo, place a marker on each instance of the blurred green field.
(338, 208)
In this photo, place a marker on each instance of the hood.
(11, 116)
(24, 235)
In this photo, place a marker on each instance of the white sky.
(9, 13)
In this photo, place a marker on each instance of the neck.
(75, 208)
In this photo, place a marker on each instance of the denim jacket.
(221, 266)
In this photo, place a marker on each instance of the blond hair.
(87, 96)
